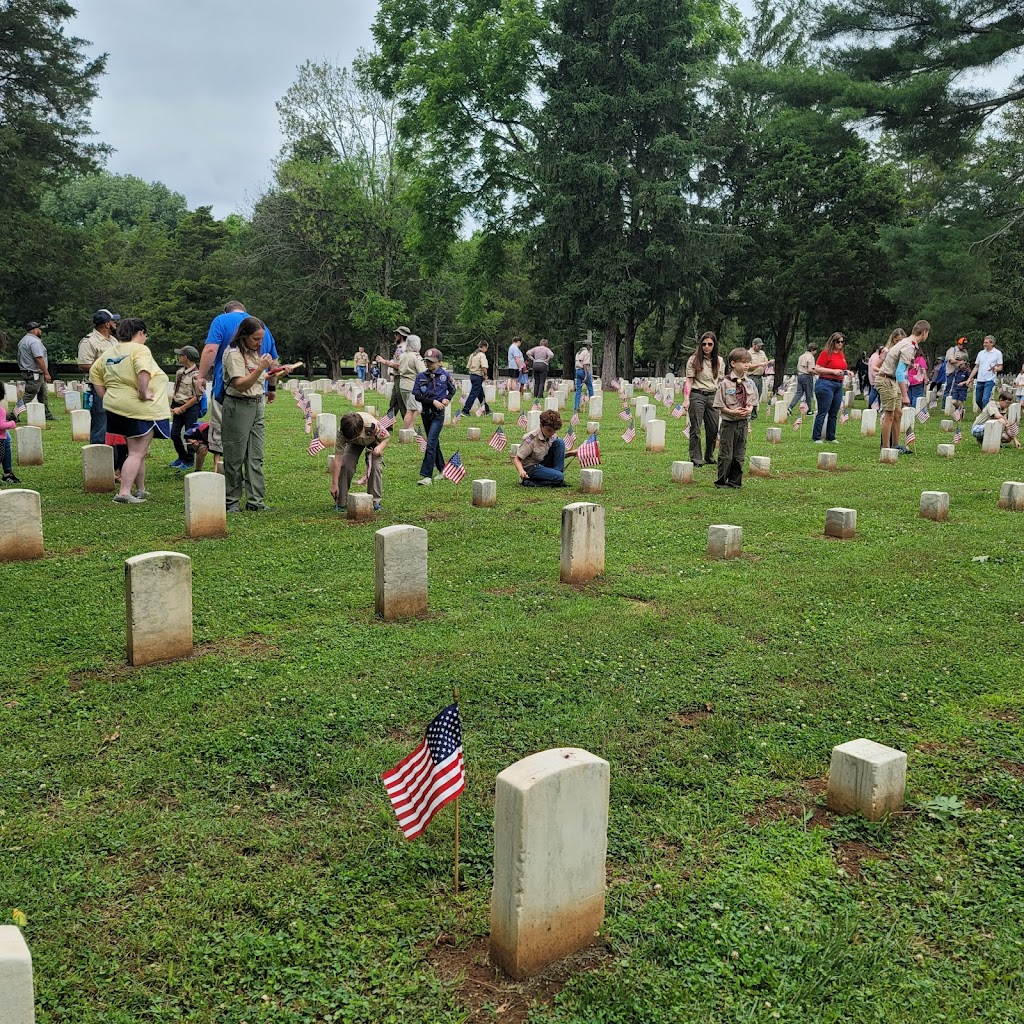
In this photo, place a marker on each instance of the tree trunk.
(609, 355)
(629, 341)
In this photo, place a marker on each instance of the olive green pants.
(242, 440)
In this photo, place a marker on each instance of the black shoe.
(719, 483)
(10, 478)
(735, 486)
(711, 462)
(251, 507)
(697, 465)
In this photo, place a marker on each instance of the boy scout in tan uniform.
(362, 432)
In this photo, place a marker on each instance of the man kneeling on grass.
(996, 410)
(361, 433)
(540, 457)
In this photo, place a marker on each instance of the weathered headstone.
(550, 847)
(935, 505)
(17, 997)
(497, 418)
(760, 465)
(490, 393)
(906, 418)
(11, 394)
(682, 472)
(473, 434)
(781, 412)
(948, 407)
(35, 415)
(593, 426)
(655, 434)
(551, 404)
(582, 542)
(591, 481)
(867, 778)
(72, 400)
(773, 435)
(514, 401)
(447, 415)
(316, 404)
(869, 422)
(80, 424)
(330, 466)
(533, 421)
(29, 441)
(98, 468)
(327, 429)
(945, 451)
(856, 414)
(485, 493)
(401, 571)
(360, 507)
(725, 541)
(158, 602)
(992, 437)
(595, 407)
(1011, 496)
(889, 456)
(406, 436)
(205, 506)
(841, 523)
(21, 526)
(948, 426)
(647, 414)
(828, 460)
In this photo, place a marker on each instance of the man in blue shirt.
(211, 368)
(434, 390)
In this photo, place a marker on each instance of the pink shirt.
(7, 422)
(873, 364)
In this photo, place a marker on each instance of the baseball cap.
(432, 355)
(188, 350)
(104, 316)
(32, 325)
(403, 331)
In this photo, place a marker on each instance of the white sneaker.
(424, 481)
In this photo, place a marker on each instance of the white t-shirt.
(986, 361)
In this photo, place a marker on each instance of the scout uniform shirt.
(805, 364)
(758, 361)
(90, 347)
(240, 364)
(733, 394)
(533, 449)
(361, 359)
(477, 363)
(705, 380)
(902, 352)
(583, 358)
(371, 433)
(185, 385)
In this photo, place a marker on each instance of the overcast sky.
(188, 97)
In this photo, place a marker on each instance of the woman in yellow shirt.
(134, 393)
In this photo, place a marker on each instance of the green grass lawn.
(209, 841)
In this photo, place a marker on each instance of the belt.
(701, 391)
(887, 376)
(245, 398)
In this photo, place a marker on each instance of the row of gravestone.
(551, 813)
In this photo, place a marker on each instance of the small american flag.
(625, 415)
(875, 405)
(388, 421)
(316, 445)
(309, 424)
(630, 434)
(798, 422)
(923, 416)
(456, 418)
(845, 417)
(958, 436)
(804, 407)
(569, 440)
(1012, 429)
(60, 389)
(575, 419)
(910, 436)
(455, 470)
(433, 775)
(958, 414)
(677, 410)
(422, 442)
(657, 395)
(479, 410)
(19, 407)
(499, 440)
(536, 406)
(522, 421)
(686, 430)
(589, 453)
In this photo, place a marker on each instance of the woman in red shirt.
(830, 370)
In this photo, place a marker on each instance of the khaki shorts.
(890, 398)
(213, 437)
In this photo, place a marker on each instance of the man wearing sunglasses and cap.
(32, 362)
(104, 324)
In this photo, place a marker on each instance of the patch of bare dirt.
(486, 994)
(801, 807)
(501, 591)
(931, 748)
(1014, 768)
(691, 717)
(1003, 716)
(851, 855)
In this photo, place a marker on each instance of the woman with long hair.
(242, 425)
(704, 372)
(830, 369)
(134, 393)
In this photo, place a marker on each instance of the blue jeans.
(803, 390)
(829, 394)
(872, 395)
(433, 422)
(179, 424)
(97, 419)
(550, 472)
(476, 394)
(983, 392)
(361, 372)
(582, 376)
(915, 391)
